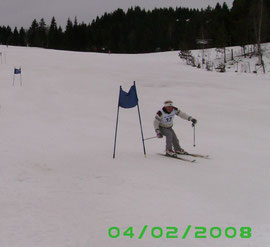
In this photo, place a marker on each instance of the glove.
(159, 135)
(193, 120)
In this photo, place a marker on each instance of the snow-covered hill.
(60, 187)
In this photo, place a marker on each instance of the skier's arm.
(157, 120)
(182, 114)
(156, 124)
(185, 116)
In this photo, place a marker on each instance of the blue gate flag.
(17, 71)
(130, 99)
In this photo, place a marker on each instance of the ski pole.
(150, 138)
(193, 125)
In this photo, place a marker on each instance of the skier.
(163, 124)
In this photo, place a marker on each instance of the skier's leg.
(169, 137)
(175, 141)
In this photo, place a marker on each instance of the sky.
(21, 13)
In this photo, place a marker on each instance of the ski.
(196, 155)
(177, 157)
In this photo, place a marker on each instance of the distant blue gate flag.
(130, 99)
(17, 71)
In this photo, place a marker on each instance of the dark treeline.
(138, 30)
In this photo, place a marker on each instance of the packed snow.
(60, 186)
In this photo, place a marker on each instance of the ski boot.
(181, 151)
(170, 152)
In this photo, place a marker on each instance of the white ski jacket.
(165, 119)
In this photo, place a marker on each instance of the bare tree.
(258, 19)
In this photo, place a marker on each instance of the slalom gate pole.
(141, 130)
(140, 123)
(116, 127)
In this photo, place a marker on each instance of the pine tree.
(42, 34)
(22, 37)
(69, 35)
(53, 35)
(32, 34)
(15, 37)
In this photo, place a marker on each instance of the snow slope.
(60, 187)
